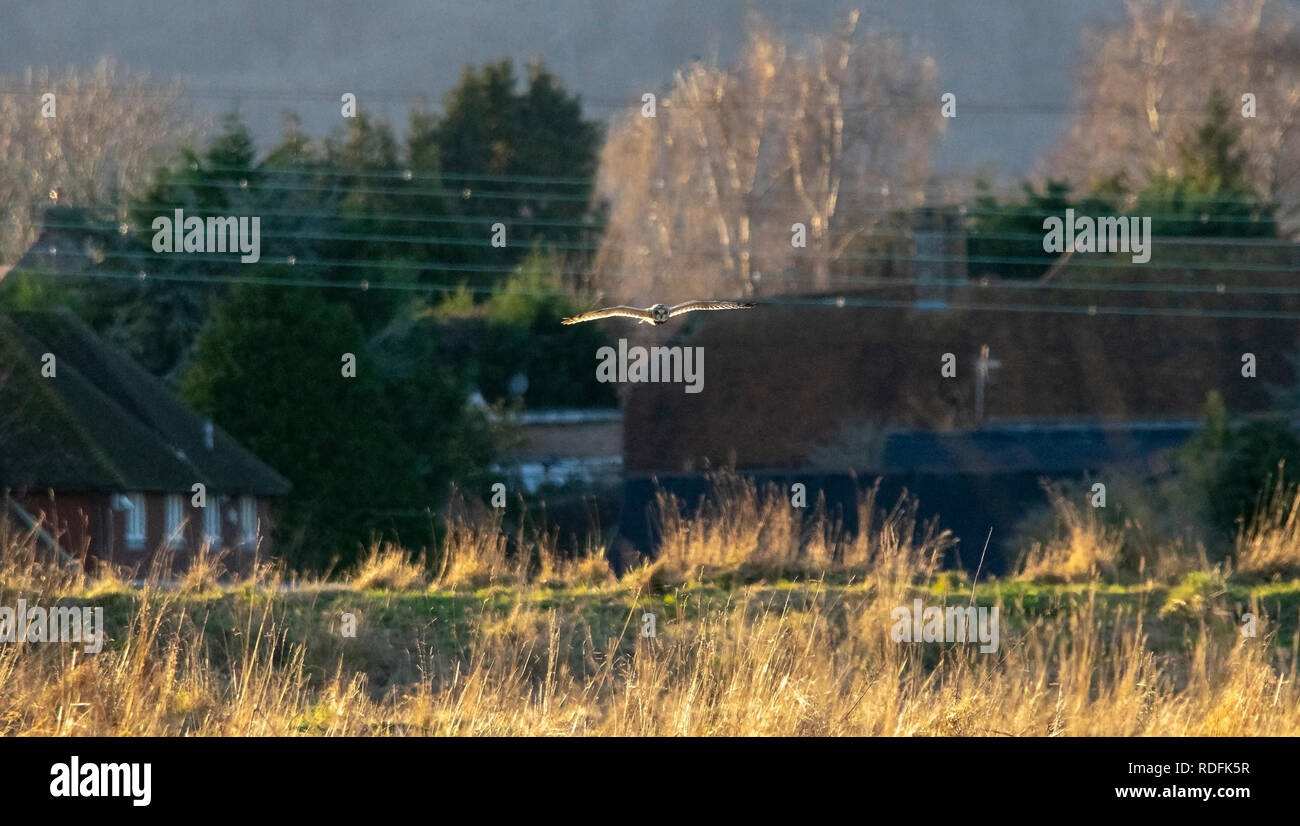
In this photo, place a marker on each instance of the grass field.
(763, 626)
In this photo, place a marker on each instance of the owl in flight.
(659, 313)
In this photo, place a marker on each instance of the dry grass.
(204, 571)
(587, 570)
(475, 553)
(389, 568)
(1083, 543)
(1083, 549)
(564, 656)
(1269, 546)
(756, 667)
(751, 533)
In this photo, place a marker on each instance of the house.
(559, 447)
(1071, 382)
(570, 462)
(105, 463)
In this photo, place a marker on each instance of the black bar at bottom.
(579, 777)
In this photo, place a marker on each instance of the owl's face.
(660, 313)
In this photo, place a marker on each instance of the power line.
(318, 169)
(396, 174)
(882, 258)
(632, 103)
(276, 281)
(925, 305)
(1082, 309)
(792, 211)
(486, 220)
(255, 179)
(464, 193)
(468, 268)
(142, 253)
(166, 210)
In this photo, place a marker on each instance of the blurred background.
(644, 152)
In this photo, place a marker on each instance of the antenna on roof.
(207, 435)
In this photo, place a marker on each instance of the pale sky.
(303, 54)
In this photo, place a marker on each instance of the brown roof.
(103, 422)
(796, 378)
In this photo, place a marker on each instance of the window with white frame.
(136, 521)
(212, 522)
(248, 520)
(175, 519)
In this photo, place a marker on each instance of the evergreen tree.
(269, 369)
(156, 318)
(1006, 237)
(1210, 194)
(491, 144)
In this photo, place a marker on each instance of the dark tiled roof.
(103, 422)
(790, 384)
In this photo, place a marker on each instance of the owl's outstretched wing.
(610, 312)
(692, 306)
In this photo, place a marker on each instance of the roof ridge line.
(112, 357)
(52, 396)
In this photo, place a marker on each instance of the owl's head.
(660, 313)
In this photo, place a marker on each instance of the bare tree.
(704, 195)
(1149, 76)
(684, 185)
(859, 138)
(1264, 43)
(109, 130)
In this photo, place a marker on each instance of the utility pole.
(982, 367)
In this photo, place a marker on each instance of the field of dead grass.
(764, 625)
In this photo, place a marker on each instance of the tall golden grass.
(1269, 544)
(1084, 547)
(795, 641)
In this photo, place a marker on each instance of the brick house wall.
(91, 528)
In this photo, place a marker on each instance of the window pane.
(175, 513)
(212, 522)
(248, 520)
(136, 520)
